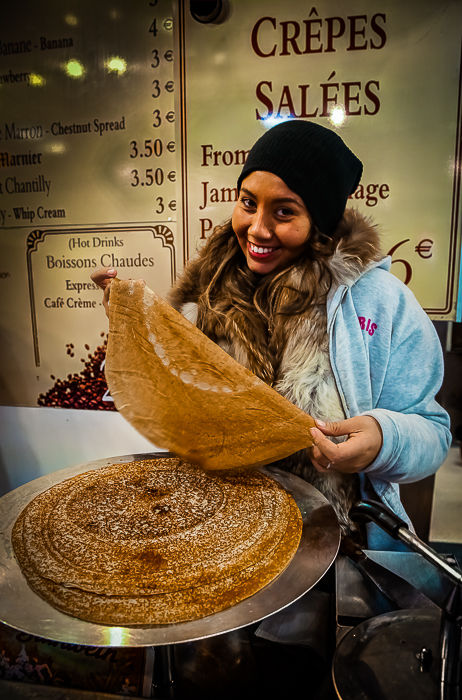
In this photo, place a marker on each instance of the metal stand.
(148, 672)
(159, 673)
(164, 673)
(451, 618)
(450, 638)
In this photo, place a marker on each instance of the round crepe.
(184, 393)
(156, 541)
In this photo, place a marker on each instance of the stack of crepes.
(184, 393)
(156, 541)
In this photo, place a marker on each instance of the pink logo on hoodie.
(367, 325)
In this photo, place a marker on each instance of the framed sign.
(88, 178)
(386, 76)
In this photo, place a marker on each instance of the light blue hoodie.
(387, 362)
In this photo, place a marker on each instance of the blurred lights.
(270, 121)
(117, 636)
(75, 69)
(337, 115)
(454, 167)
(70, 19)
(57, 148)
(36, 80)
(117, 65)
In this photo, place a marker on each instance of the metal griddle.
(24, 610)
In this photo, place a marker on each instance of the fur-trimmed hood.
(357, 248)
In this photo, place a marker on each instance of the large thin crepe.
(155, 541)
(184, 393)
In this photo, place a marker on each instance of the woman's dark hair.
(224, 268)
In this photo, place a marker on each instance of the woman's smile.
(261, 251)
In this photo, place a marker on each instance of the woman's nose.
(260, 226)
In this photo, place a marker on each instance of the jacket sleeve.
(416, 436)
(393, 375)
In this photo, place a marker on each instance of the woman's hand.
(354, 454)
(103, 278)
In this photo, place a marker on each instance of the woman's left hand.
(354, 454)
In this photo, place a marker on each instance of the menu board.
(385, 75)
(88, 178)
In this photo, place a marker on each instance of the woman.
(296, 289)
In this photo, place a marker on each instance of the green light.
(75, 69)
(117, 65)
(36, 80)
(116, 636)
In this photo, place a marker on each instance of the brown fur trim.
(186, 288)
(341, 490)
(358, 246)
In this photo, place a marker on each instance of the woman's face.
(271, 223)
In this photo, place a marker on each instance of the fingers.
(322, 468)
(323, 447)
(107, 291)
(103, 276)
(354, 454)
(324, 452)
(336, 428)
(348, 426)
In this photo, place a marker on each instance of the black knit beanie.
(314, 163)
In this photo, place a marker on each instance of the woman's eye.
(247, 202)
(283, 211)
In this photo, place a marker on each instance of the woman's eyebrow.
(276, 199)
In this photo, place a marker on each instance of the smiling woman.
(296, 289)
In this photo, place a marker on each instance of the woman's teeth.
(260, 249)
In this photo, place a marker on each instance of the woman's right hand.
(103, 278)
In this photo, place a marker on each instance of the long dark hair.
(224, 274)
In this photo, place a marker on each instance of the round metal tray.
(24, 610)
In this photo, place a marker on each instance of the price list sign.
(88, 178)
(385, 75)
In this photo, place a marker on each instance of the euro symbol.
(424, 246)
